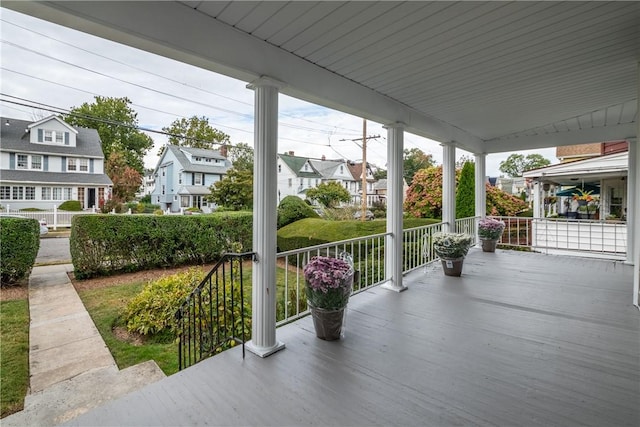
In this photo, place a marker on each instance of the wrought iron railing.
(215, 316)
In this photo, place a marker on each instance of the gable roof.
(15, 138)
(356, 171)
(295, 163)
(53, 118)
(326, 168)
(188, 166)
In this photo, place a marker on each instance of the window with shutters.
(22, 161)
(72, 165)
(84, 165)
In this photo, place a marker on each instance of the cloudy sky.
(59, 68)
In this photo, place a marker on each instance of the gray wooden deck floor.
(520, 339)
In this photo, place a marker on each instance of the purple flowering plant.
(490, 229)
(329, 282)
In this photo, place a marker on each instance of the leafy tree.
(516, 164)
(241, 156)
(463, 160)
(466, 192)
(234, 191)
(116, 124)
(126, 180)
(195, 132)
(424, 197)
(329, 194)
(414, 160)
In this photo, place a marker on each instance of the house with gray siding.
(183, 176)
(47, 162)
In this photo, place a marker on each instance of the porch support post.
(265, 195)
(449, 188)
(631, 198)
(481, 189)
(634, 216)
(393, 243)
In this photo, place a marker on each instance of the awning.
(573, 191)
(194, 190)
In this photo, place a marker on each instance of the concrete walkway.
(71, 368)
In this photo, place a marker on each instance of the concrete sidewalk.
(71, 368)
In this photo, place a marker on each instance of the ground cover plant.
(14, 355)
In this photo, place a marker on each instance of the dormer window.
(48, 136)
(59, 137)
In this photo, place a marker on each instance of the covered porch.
(519, 339)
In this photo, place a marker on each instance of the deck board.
(520, 339)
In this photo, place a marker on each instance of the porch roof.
(556, 346)
(487, 76)
(611, 166)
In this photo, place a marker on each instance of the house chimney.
(323, 157)
(291, 153)
(224, 151)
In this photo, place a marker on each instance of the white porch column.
(449, 187)
(263, 339)
(636, 205)
(631, 198)
(393, 244)
(481, 188)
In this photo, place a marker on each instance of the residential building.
(47, 162)
(183, 177)
(356, 187)
(514, 186)
(572, 153)
(297, 174)
(148, 183)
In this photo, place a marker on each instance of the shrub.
(104, 244)
(292, 209)
(465, 192)
(31, 210)
(154, 309)
(111, 205)
(20, 239)
(158, 212)
(70, 205)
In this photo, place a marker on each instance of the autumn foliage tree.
(126, 180)
(424, 196)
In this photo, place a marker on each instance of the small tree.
(414, 160)
(234, 191)
(465, 192)
(329, 194)
(126, 180)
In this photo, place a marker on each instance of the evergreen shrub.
(70, 205)
(292, 209)
(105, 244)
(20, 240)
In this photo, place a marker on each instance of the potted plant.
(489, 231)
(451, 248)
(329, 282)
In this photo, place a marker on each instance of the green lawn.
(14, 355)
(105, 305)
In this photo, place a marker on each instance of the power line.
(155, 74)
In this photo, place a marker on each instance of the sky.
(52, 66)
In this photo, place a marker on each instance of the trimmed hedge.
(70, 205)
(292, 209)
(20, 239)
(105, 244)
(313, 231)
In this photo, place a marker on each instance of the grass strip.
(14, 355)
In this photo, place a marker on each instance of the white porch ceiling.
(489, 76)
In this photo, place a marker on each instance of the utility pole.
(363, 195)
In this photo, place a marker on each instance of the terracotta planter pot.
(489, 245)
(452, 267)
(328, 323)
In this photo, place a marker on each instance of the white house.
(183, 177)
(297, 174)
(47, 162)
(148, 183)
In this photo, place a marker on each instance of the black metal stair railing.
(214, 316)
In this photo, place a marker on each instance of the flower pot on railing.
(329, 283)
